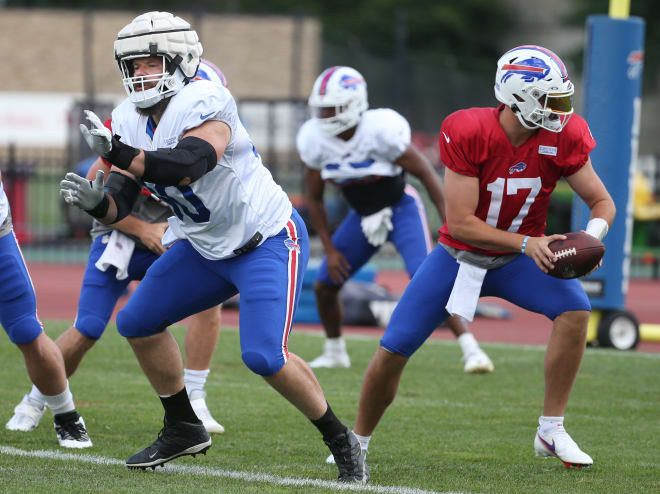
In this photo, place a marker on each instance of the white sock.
(364, 441)
(335, 345)
(195, 380)
(36, 396)
(61, 403)
(468, 343)
(548, 423)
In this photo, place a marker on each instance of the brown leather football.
(577, 255)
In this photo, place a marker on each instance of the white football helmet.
(209, 71)
(534, 83)
(157, 34)
(338, 99)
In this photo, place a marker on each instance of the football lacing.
(565, 253)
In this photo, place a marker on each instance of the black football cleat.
(71, 431)
(349, 457)
(174, 439)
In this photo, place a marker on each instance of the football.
(576, 256)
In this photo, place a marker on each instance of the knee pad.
(90, 325)
(23, 330)
(130, 326)
(261, 364)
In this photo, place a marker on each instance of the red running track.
(58, 285)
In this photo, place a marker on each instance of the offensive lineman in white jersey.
(110, 269)
(366, 153)
(236, 229)
(43, 359)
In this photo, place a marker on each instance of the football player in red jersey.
(502, 164)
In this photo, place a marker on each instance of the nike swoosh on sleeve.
(446, 137)
(204, 117)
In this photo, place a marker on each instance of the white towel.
(4, 203)
(467, 288)
(376, 227)
(117, 253)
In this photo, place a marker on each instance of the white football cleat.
(477, 362)
(27, 415)
(557, 443)
(331, 360)
(198, 402)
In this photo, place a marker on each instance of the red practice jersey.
(108, 125)
(515, 183)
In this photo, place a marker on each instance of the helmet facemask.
(550, 111)
(335, 119)
(141, 89)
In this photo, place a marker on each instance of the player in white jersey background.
(366, 154)
(234, 231)
(43, 359)
(120, 254)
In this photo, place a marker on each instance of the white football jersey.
(380, 139)
(4, 204)
(222, 210)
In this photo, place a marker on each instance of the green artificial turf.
(446, 431)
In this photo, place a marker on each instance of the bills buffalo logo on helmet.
(531, 69)
(350, 82)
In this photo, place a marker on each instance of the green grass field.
(445, 432)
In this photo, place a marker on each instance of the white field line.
(218, 472)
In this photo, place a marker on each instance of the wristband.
(597, 227)
(101, 209)
(121, 155)
(524, 244)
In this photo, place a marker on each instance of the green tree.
(458, 33)
(437, 32)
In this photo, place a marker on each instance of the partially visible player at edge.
(101, 290)
(234, 231)
(366, 154)
(43, 359)
(502, 165)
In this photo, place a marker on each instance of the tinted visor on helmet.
(555, 112)
(560, 102)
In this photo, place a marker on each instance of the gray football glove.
(99, 138)
(79, 191)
